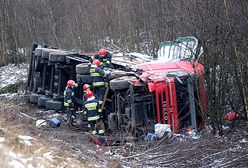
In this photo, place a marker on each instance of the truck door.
(166, 103)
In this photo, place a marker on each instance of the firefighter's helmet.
(85, 87)
(71, 83)
(96, 62)
(102, 52)
(89, 94)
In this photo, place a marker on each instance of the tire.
(37, 83)
(83, 69)
(53, 105)
(37, 64)
(58, 56)
(34, 98)
(38, 51)
(56, 84)
(42, 101)
(84, 78)
(120, 83)
(46, 52)
(112, 122)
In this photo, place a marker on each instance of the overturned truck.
(140, 92)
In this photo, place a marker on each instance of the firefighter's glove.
(102, 65)
(92, 58)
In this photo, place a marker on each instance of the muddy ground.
(63, 147)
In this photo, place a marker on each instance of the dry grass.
(13, 151)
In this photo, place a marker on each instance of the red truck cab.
(177, 84)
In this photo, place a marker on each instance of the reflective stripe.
(93, 118)
(101, 131)
(92, 70)
(68, 104)
(95, 74)
(98, 84)
(93, 132)
(84, 112)
(72, 93)
(100, 102)
(91, 106)
(69, 101)
(88, 125)
(99, 110)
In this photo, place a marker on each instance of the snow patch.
(243, 140)
(25, 139)
(48, 156)
(11, 74)
(2, 139)
(16, 164)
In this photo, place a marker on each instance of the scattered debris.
(54, 122)
(233, 116)
(40, 123)
(161, 129)
(150, 137)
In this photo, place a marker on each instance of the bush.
(13, 88)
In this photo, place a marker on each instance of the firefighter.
(104, 57)
(92, 106)
(86, 87)
(97, 73)
(69, 97)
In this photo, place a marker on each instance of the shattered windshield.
(182, 48)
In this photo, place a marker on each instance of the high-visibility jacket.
(97, 74)
(92, 109)
(68, 97)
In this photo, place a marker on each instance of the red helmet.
(102, 52)
(70, 83)
(89, 94)
(96, 62)
(86, 86)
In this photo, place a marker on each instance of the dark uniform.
(69, 99)
(92, 112)
(97, 74)
(105, 61)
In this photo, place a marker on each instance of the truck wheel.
(53, 105)
(37, 83)
(58, 57)
(46, 52)
(121, 82)
(42, 101)
(84, 78)
(38, 51)
(37, 64)
(83, 69)
(33, 98)
(112, 122)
